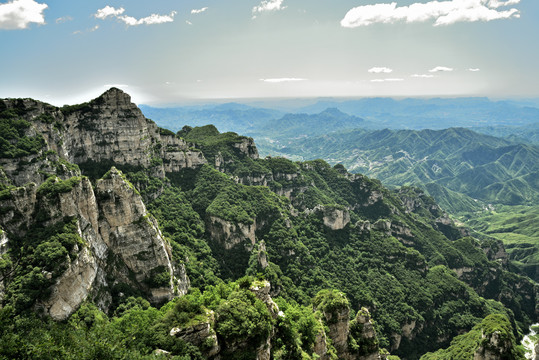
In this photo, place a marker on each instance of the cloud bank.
(378, 70)
(198, 11)
(441, 12)
(441, 69)
(109, 11)
(19, 14)
(280, 80)
(269, 5)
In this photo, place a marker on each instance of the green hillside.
(480, 166)
(466, 172)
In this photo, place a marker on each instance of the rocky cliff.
(118, 241)
(120, 245)
(352, 340)
(108, 130)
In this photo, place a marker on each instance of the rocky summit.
(120, 239)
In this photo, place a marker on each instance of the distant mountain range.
(226, 117)
(481, 166)
(356, 133)
(522, 134)
(380, 113)
(434, 113)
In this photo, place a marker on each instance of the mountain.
(121, 239)
(466, 172)
(226, 117)
(434, 113)
(308, 125)
(482, 167)
(519, 134)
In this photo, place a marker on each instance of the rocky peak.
(115, 97)
(247, 147)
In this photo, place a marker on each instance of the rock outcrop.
(364, 334)
(493, 347)
(124, 245)
(133, 234)
(334, 217)
(352, 340)
(229, 234)
(201, 334)
(109, 129)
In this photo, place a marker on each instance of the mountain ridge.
(239, 228)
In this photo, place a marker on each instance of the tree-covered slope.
(480, 166)
(467, 173)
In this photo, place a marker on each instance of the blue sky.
(166, 52)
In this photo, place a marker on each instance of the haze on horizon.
(168, 52)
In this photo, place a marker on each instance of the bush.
(242, 317)
(54, 186)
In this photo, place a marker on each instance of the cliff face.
(352, 340)
(109, 129)
(120, 244)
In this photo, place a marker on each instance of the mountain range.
(121, 239)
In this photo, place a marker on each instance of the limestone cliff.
(352, 340)
(133, 234)
(493, 347)
(109, 129)
(120, 243)
(229, 234)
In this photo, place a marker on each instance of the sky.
(172, 52)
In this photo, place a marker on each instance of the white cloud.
(78, 32)
(387, 80)
(441, 12)
(378, 70)
(198, 11)
(188, 22)
(269, 5)
(148, 20)
(424, 76)
(440, 69)
(64, 19)
(280, 80)
(131, 21)
(18, 14)
(474, 69)
(496, 3)
(108, 11)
